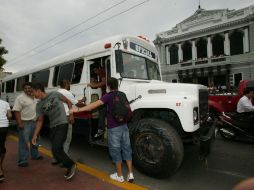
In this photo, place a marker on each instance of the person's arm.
(38, 127)
(18, 118)
(89, 107)
(17, 107)
(98, 84)
(65, 100)
(9, 114)
(69, 104)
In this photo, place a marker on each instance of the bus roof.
(87, 50)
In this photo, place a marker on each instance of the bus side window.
(10, 85)
(21, 81)
(77, 71)
(41, 77)
(65, 72)
(55, 77)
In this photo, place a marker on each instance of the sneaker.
(24, 164)
(99, 133)
(1, 177)
(70, 172)
(115, 177)
(38, 158)
(61, 165)
(130, 178)
(55, 162)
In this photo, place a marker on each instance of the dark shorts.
(3, 135)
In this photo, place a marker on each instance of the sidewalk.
(41, 175)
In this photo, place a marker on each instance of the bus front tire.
(157, 148)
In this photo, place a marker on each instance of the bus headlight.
(195, 116)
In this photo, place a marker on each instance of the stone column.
(246, 46)
(167, 55)
(209, 47)
(180, 53)
(161, 54)
(194, 50)
(226, 44)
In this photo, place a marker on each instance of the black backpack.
(121, 110)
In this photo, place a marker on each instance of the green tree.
(2, 52)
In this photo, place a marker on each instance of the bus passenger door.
(99, 70)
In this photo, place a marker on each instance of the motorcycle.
(236, 126)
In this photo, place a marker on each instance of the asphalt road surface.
(229, 163)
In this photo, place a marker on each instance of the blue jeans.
(26, 135)
(119, 143)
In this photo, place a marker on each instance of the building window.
(219, 80)
(187, 51)
(236, 42)
(218, 45)
(187, 80)
(237, 78)
(41, 77)
(173, 54)
(3, 86)
(203, 80)
(201, 48)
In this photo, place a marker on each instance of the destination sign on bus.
(142, 50)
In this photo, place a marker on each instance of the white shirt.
(4, 107)
(26, 105)
(244, 105)
(70, 97)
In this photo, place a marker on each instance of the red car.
(227, 102)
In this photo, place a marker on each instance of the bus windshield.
(136, 67)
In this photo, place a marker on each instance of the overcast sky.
(25, 24)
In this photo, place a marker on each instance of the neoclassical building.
(211, 47)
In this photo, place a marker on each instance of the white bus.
(164, 113)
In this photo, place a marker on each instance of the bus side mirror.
(119, 61)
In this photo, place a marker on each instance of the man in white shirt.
(65, 91)
(5, 114)
(24, 110)
(245, 104)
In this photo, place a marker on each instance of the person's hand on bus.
(83, 100)
(90, 84)
(73, 110)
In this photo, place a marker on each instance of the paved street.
(229, 163)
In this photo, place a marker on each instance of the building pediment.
(201, 15)
(202, 19)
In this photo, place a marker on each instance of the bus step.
(99, 142)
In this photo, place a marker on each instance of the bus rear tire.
(157, 148)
